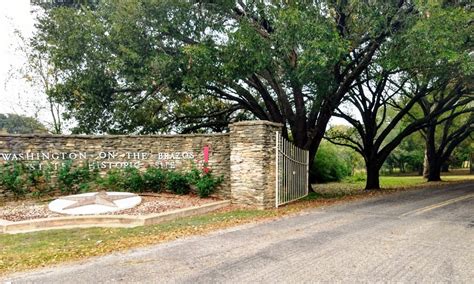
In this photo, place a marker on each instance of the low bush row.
(21, 180)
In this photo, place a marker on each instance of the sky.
(16, 95)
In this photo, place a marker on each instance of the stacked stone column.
(252, 163)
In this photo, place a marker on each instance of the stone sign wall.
(244, 157)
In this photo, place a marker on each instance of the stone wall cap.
(100, 136)
(256, 122)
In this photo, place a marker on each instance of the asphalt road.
(415, 236)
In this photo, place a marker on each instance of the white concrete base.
(92, 203)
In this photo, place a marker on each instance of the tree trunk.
(445, 167)
(313, 148)
(434, 173)
(373, 182)
(426, 165)
(432, 167)
(432, 160)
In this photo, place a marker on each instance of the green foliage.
(19, 124)
(157, 55)
(192, 66)
(157, 179)
(204, 181)
(74, 179)
(22, 179)
(356, 177)
(112, 181)
(408, 156)
(48, 4)
(40, 179)
(462, 153)
(207, 184)
(177, 182)
(13, 179)
(329, 164)
(133, 180)
(193, 175)
(154, 179)
(127, 179)
(26, 179)
(440, 37)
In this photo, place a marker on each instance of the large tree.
(444, 133)
(445, 40)
(441, 40)
(382, 110)
(148, 66)
(374, 119)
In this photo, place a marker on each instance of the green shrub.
(72, 180)
(177, 182)
(127, 179)
(112, 181)
(193, 175)
(13, 178)
(204, 181)
(26, 179)
(207, 184)
(154, 179)
(40, 179)
(329, 164)
(133, 180)
(22, 179)
(65, 177)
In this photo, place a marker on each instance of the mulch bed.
(151, 203)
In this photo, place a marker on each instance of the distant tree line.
(20, 124)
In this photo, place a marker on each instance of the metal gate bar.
(292, 170)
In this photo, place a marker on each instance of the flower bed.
(151, 203)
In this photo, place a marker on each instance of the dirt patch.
(151, 203)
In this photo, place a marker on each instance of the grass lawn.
(32, 250)
(350, 186)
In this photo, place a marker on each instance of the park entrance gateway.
(246, 158)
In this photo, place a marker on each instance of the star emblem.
(99, 198)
